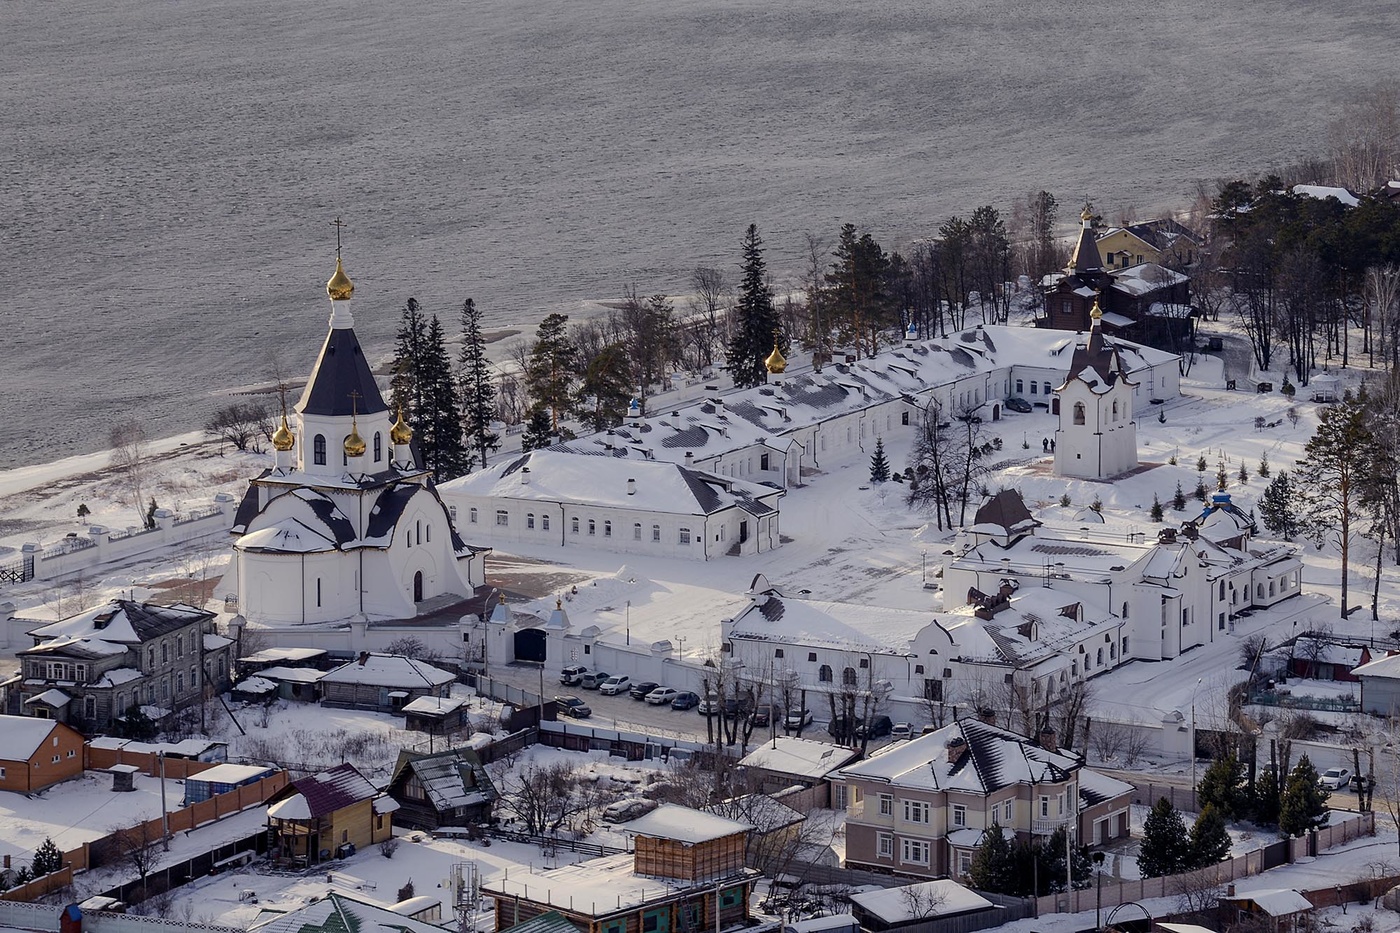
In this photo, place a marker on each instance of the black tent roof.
(341, 371)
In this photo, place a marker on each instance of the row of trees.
(1028, 866)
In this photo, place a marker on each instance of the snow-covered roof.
(451, 779)
(272, 655)
(124, 622)
(435, 706)
(388, 670)
(801, 758)
(682, 824)
(1145, 279)
(231, 774)
(289, 536)
(558, 475)
(943, 898)
(1322, 192)
(1276, 902)
(336, 913)
(1388, 667)
(775, 617)
(53, 697)
(254, 685)
(295, 675)
(322, 793)
(215, 642)
(21, 736)
(599, 886)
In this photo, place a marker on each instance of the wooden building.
(35, 753)
(450, 788)
(327, 815)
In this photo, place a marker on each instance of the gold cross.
(354, 402)
(337, 225)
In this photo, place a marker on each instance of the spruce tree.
(549, 372)
(1266, 794)
(1303, 804)
(478, 392)
(1221, 786)
(1178, 499)
(47, 858)
(879, 466)
(538, 433)
(410, 345)
(1222, 479)
(756, 318)
(1278, 508)
(1200, 490)
(1201, 464)
(1165, 846)
(439, 421)
(1156, 511)
(1263, 469)
(1209, 840)
(1244, 473)
(992, 866)
(604, 390)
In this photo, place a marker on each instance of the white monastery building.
(1097, 437)
(346, 523)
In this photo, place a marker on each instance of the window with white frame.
(964, 863)
(544, 523)
(685, 536)
(916, 811)
(959, 815)
(884, 845)
(1044, 805)
(502, 518)
(530, 520)
(1008, 812)
(636, 531)
(573, 526)
(886, 804)
(655, 532)
(913, 851)
(471, 515)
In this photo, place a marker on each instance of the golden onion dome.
(340, 288)
(1096, 313)
(400, 433)
(775, 363)
(283, 438)
(1087, 214)
(354, 444)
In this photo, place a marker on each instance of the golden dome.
(282, 438)
(1087, 215)
(340, 288)
(354, 444)
(400, 433)
(1096, 313)
(775, 363)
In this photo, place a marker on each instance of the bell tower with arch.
(1097, 436)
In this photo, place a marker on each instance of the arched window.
(1098, 658)
(1115, 409)
(1078, 412)
(544, 522)
(530, 520)
(1222, 589)
(848, 677)
(636, 531)
(656, 532)
(418, 528)
(428, 534)
(1048, 390)
(1020, 384)
(573, 525)
(471, 516)
(1125, 610)
(378, 447)
(1033, 387)
(318, 449)
(592, 527)
(607, 529)
(824, 673)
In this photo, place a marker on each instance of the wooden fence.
(177, 769)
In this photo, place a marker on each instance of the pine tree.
(992, 866)
(538, 433)
(1165, 844)
(1200, 490)
(1221, 786)
(1263, 469)
(439, 421)
(604, 390)
(1156, 511)
(1278, 508)
(47, 859)
(860, 308)
(1201, 464)
(1178, 499)
(879, 466)
(1244, 473)
(1266, 798)
(756, 319)
(1303, 804)
(1209, 840)
(549, 372)
(477, 390)
(410, 345)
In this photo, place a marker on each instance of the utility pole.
(164, 812)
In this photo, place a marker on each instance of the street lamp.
(1193, 734)
(924, 552)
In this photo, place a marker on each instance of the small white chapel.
(1097, 436)
(346, 524)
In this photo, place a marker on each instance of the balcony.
(1045, 825)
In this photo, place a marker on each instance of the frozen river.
(169, 169)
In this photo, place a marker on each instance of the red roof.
(328, 791)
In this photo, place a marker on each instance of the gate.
(1276, 854)
(530, 645)
(19, 571)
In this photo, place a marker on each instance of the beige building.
(921, 807)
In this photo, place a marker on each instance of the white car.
(617, 683)
(662, 695)
(1335, 778)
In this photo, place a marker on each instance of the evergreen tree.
(549, 372)
(477, 390)
(1278, 508)
(859, 303)
(47, 858)
(1244, 473)
(755, 319)
(439, 421)
(604, 391)
(1178, 499)
(1221, 787)
(1165, 844)
(410, 346)
(1222, 479)
(1201, 464)
(1209, 841)
(1263, 469)
(1266, 794)
(538, 433)
(1156, 511)
(879, 466)
(1052, 863)
(1200, 490)
(1303, 804)
(992, 864)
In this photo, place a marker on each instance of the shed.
(1281, 909)
(438, 715)
(1380, 685)
(450, 788)
(892, 908)
(221, 779)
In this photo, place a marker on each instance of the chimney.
(986, 715)
(689, 458)
(956, 748)
(524, 476)
(364, 658)
(1230, 889)
(1007, 588)
(1049, 740)
(631, 486)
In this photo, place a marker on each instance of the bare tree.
(542, 797)
(1107, 740)
(129, 462)
(707, 318)
(138, 847)
(245, 425)
(922, 900)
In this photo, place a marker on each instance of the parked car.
(1018, 404)
(662, 695)
(1335, 778)
(570, 676)
(592, 680)
(572, 706)
(639, 691)
(876, 728)
(736, 707)
(764, 714)
(901, 731)
(617, 683)
(709, 705)
(629, 808)
(686, 699)
(1360, 782)
(797, 718)
(843, 728)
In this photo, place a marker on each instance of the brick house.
(687, 865)
(89, 669)
(920, 808)
(35, 753)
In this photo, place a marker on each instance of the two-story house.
(91, 668)
(920, 808)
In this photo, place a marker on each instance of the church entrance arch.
(418, 587)
(996, 412)
(1055, 405)
(529, 645)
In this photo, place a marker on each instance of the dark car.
(639, 691)
(572, 706)
(686, 700)
(737, 707)
(764, 714)
(878, 727)
(1019, 404)
(843, 728)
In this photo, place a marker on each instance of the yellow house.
(1165, 242)
(328, 815)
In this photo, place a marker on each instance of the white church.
(346, 524)
(1097, 436)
